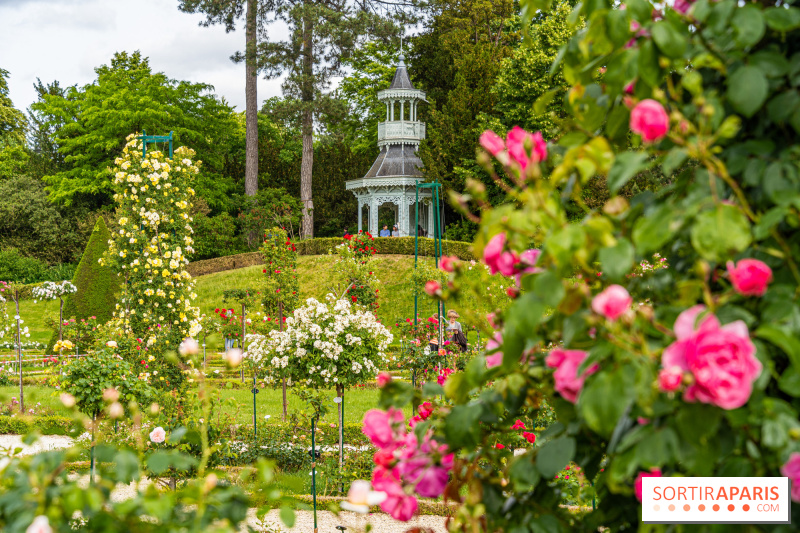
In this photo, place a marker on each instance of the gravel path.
(46, 442)
(327, 522)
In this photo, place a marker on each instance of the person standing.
(455, 332)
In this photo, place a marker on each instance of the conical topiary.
(97, 285)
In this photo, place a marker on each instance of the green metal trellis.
(437, 243)
(155, 139)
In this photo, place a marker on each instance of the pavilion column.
(430, 219)
(373, 216)
(391, 103)
(387, 110)
(360, 210)
(402, 110)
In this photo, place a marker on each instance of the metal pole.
(255, 391)
(416, 249)
(244, 331)
(314, 470)
(19, 353)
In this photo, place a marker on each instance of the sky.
(65, 40)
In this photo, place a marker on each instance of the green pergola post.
(155, 139)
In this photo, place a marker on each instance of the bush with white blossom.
(322, 345)
(150, 248)
(50, 290)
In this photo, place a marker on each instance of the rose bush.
(698, 374)
(150, 251)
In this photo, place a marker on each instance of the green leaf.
(617, 260)
(626, 166)
(554, 456)
(782, 19)
(789, 382)
(652, 231)
(523, 474)
(783, 340)
(675, 158)
(670, 41)
(720, 233)
(599, 406)
(747, 90)
(649, 69)
(287, 516)
(772, 64)
(461, 425)
(159, 462)
(431, 389)
(748, 24)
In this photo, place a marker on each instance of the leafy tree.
(373, 66)
(12, 133)
(268, 208)
(456, 60)
(35, 226)
(45, 159)
(525, 76)
(92, 122)
(97, 285)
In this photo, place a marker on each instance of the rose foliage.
(695, 372)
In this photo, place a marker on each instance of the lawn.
(268, 402)
(315, 274)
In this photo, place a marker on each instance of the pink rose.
(566, 363)
(492, 251)
(425, 466)
(158, 435)
(650, 120)
(749, 277)
(448, 262)
(492, 142)
(507, 263)
(612, 302)
(792, 470)
(383, 427)
(383, 379)
(40, 524)
(682, 6)
(433, 288)
(721, 359)
(638, 484)
(669, 379)
(517, 138)
(491, 345)
(398, 504)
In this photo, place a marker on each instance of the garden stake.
(244, 331)
(255, 391)
(593, 494)
(314, 471)
(19, 353)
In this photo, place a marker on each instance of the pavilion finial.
(401, 62)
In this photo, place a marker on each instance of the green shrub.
(96, 284)
(18, 268)
(46, 425)
(215, 236)
(391, 246)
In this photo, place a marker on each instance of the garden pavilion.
(393, 177)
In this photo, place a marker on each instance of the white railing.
(401, 130)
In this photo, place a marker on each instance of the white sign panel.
(716, 500)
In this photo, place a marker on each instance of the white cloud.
(66, 40)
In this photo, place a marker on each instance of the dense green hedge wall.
(384, 245)
(96, 284)
(46, 425)
(329, 436)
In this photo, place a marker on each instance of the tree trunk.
(307, 128)
(251, 99)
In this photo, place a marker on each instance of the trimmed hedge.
(97, 285)
(391, 246)
(384, 245)
(46, 425)
(328, 436)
